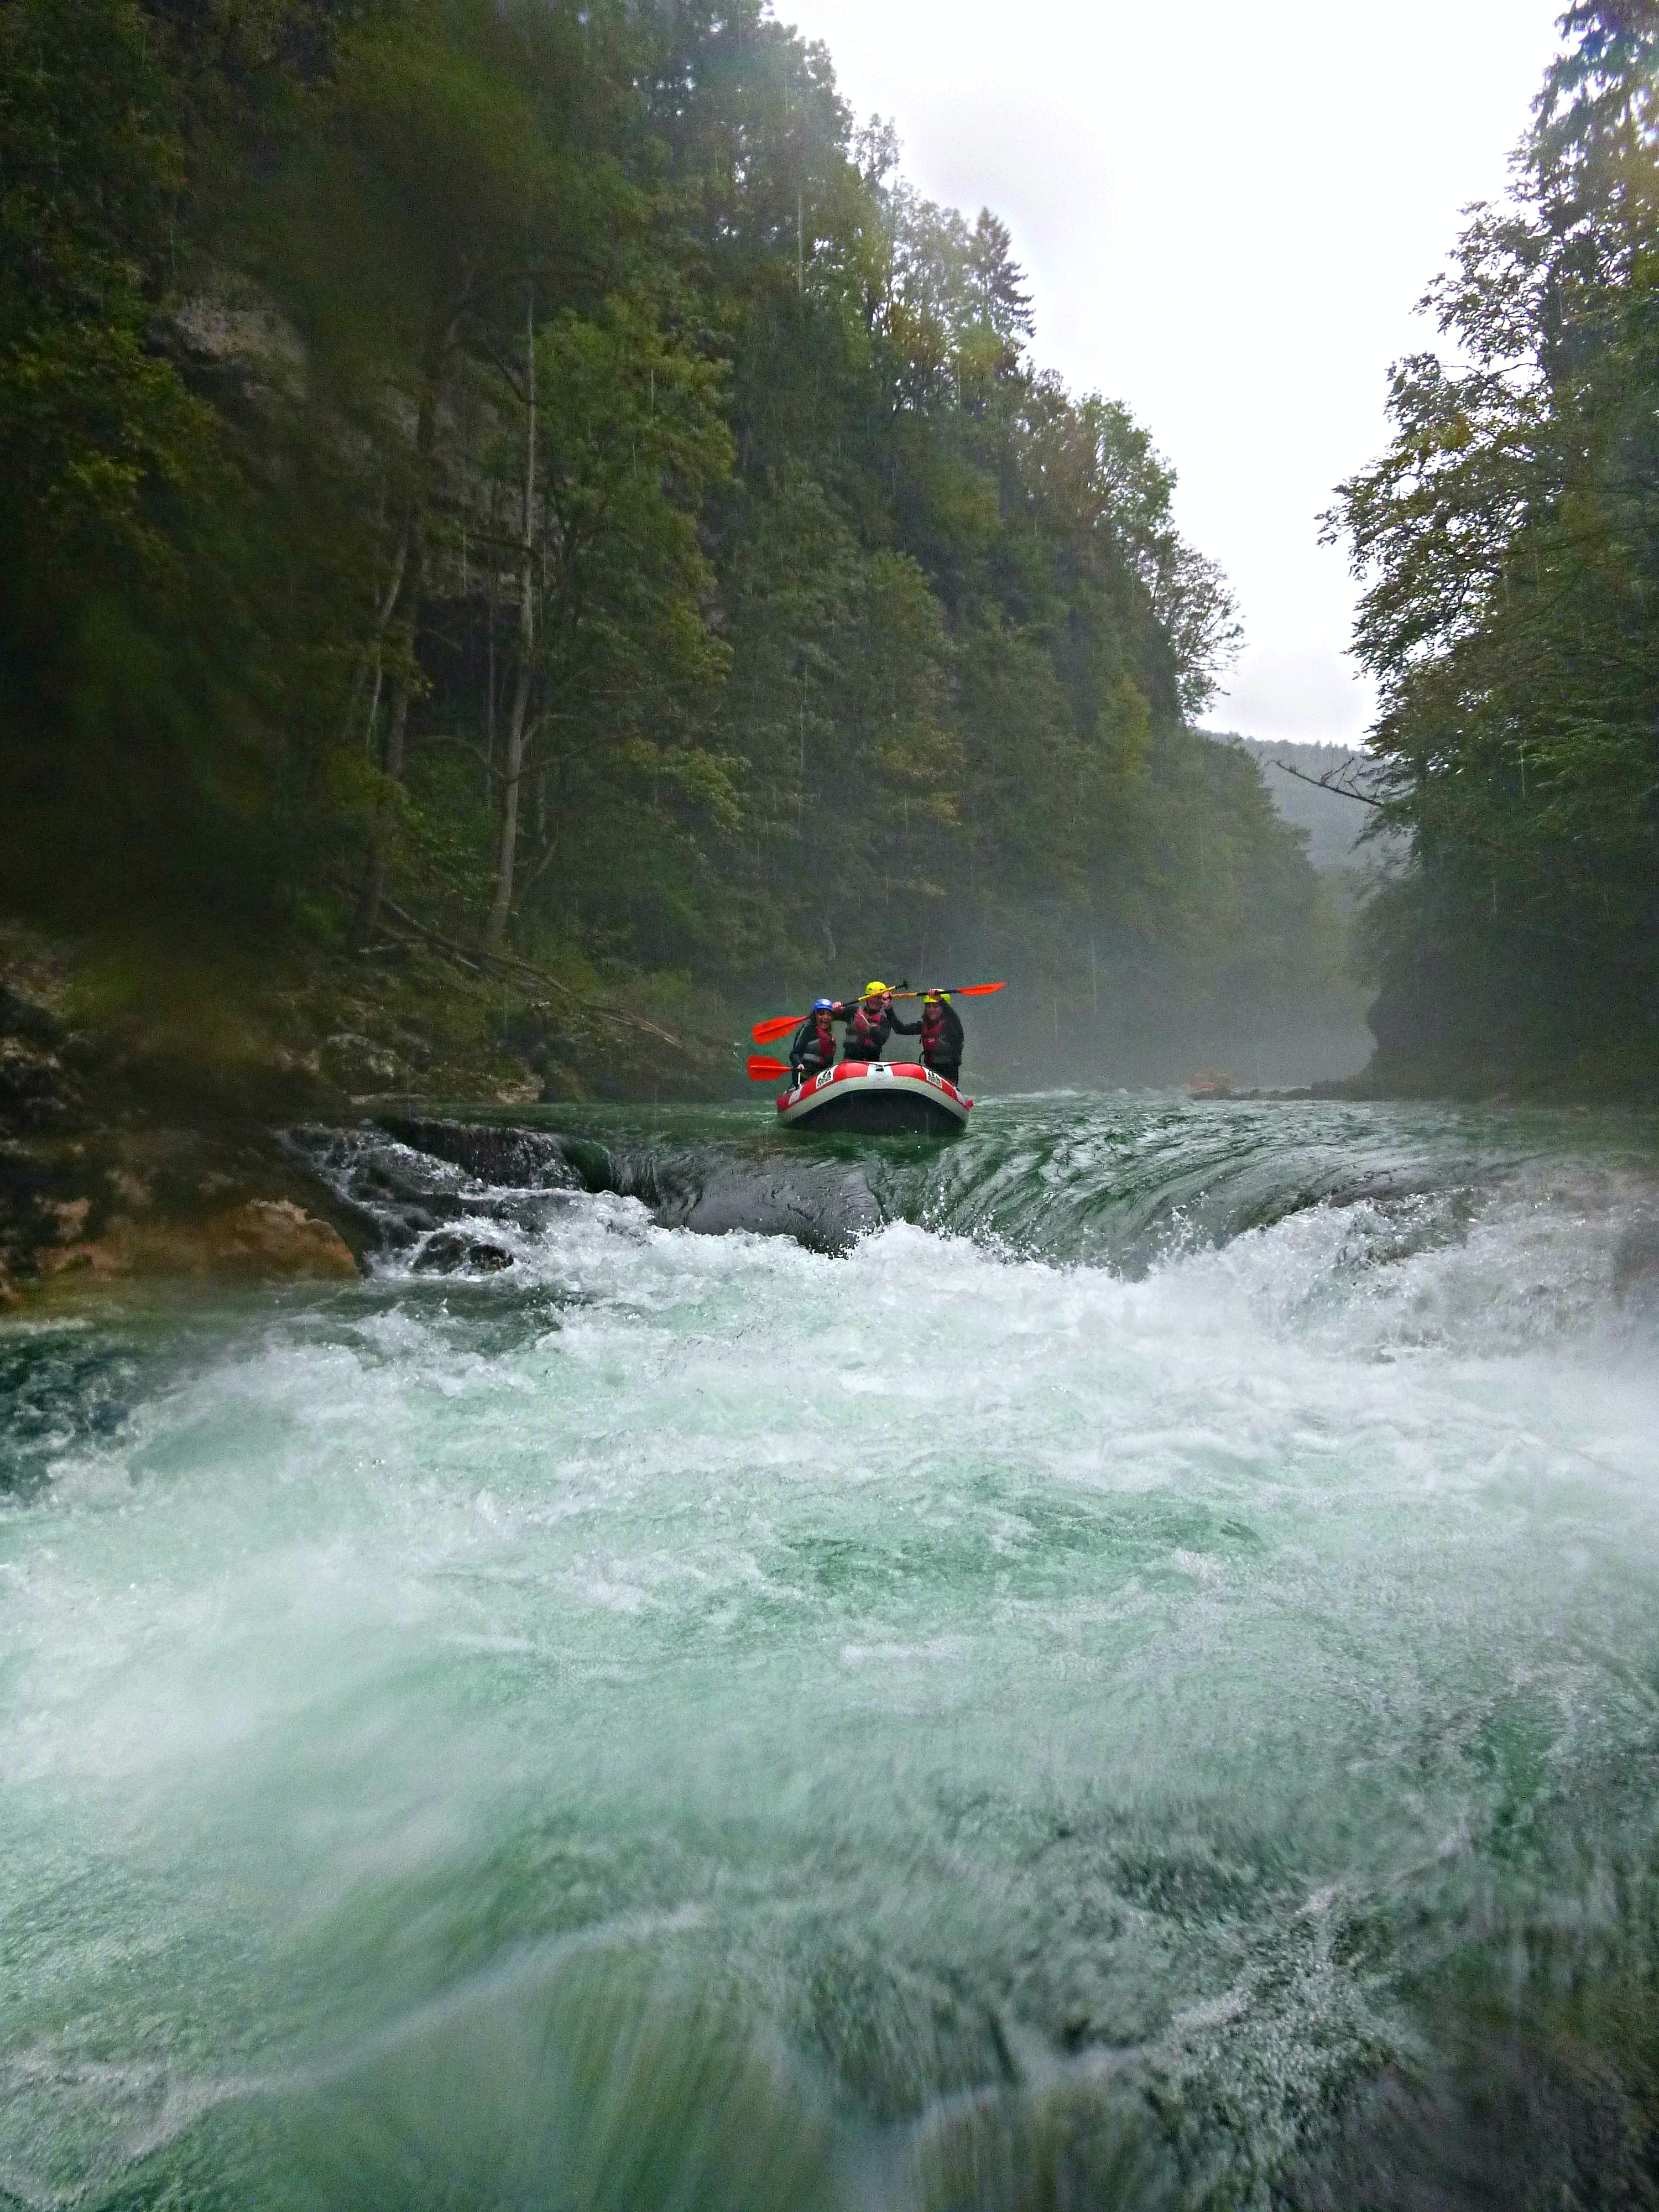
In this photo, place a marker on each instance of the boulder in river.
(267, 1239)
(450, 1252)
(1635, 1264)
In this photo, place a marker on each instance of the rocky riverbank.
(140, 1106)
(97, 1183)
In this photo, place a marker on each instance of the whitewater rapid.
(1016, 1708)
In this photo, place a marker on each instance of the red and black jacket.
(868, 1031)
(941, 1041)
(812, 1050)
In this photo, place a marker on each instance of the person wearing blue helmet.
(812, 1050)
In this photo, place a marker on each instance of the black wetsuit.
(942, 1051)
(809, 1053)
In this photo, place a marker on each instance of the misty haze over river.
(1099, 1669)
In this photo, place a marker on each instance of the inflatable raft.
(881, 1097)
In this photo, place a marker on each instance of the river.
(1117, 1664)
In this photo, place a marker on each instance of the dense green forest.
(534, 476)
(1508, 543)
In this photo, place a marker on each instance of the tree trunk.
(392, 767)
(500, 904)
(411, 579)
(391, 764)
(372, 656)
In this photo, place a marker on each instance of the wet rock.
(70, 1215)
(398, 1194)
(273, 1237)
(42, 1203)
(535, 1035)
(517, 1159)
(265, 1240)
(357, 1064)
(27, 1017)
(826, 1208)
(449, 1252)
(36, 1091)
(39, 1091)
(1635, 1264)
(824, 1205)
(411, 1176)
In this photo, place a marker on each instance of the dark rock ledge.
(93, 1191)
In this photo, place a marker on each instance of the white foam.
(660, 1535)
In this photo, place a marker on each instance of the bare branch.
(1328, 782)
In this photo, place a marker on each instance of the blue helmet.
(823, 1005)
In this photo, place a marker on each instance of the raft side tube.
(877, 1098)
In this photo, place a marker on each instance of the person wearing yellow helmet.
(941, 1035)
(873, 1022)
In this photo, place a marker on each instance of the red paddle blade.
(763, 1070)
(778, 1026)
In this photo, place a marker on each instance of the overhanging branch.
(1329, 783)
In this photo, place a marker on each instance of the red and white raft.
(881, 1097)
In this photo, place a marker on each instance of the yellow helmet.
(875, 990)
(932, 998)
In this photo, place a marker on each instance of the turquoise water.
(1017, 1713)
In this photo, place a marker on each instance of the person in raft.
(873, 1022)
(813, 1046)
(941, 1035)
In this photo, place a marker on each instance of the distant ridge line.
(1333, 820)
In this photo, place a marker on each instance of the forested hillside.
(1508, 543)
(533, 477)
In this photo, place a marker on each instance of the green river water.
(1133, 1680)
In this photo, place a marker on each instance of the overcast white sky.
(1228, 210)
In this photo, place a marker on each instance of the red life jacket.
(869, 1031)
(814, 1048)
(933, 1028)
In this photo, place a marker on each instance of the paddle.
(780, 1024)
(954, 991)
(761, 1070)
